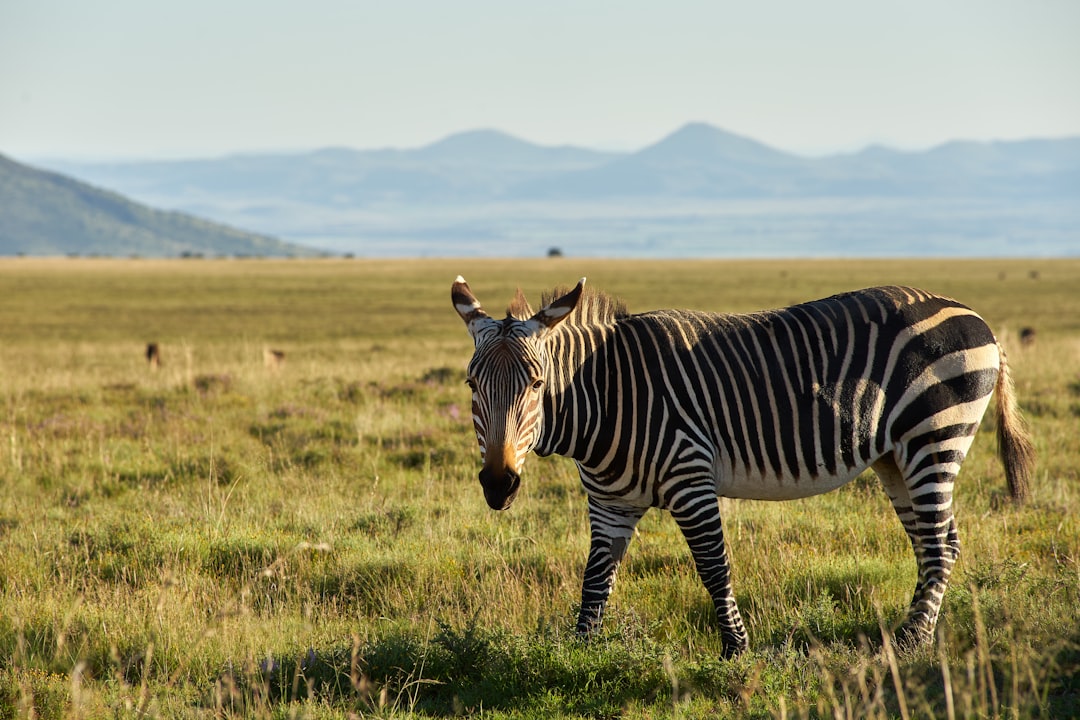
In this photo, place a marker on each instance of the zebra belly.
(739, 482)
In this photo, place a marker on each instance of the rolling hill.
(45, 213)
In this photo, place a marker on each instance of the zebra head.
(507, 376)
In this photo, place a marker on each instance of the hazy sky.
(138, 78)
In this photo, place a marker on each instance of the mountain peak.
(704, 143)
(494, 148)
(701, 130)
(483, 141)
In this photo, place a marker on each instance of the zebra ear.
(558, 310)
(467, 306)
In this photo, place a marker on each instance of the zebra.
(672, 409)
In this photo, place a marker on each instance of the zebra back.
(818, 389)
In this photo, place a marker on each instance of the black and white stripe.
(673, 408)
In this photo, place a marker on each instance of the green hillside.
(43, 213)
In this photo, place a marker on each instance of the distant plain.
(228, 534)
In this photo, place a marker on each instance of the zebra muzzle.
(500, 488)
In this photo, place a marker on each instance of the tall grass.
(219, 537)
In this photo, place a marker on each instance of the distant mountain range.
(699, 191)
(700, 161)
(469, 167)
(44, 213)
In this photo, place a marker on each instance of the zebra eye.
(471, 383)
(537, 384)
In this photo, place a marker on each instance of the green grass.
(218, 538)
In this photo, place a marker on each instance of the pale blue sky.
(140, 78)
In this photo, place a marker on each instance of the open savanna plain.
(224, 536)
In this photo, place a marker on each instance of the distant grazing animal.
(673, 408)
(1027, 336)
(153, 356)
(273, 359)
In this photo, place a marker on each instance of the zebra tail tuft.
(1014, 444)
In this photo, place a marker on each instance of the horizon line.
(853, 149)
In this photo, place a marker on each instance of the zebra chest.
(641, 474)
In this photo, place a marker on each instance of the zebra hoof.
(912, 637)
(732, 649)
(585, 633)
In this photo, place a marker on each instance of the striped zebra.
(672, 409)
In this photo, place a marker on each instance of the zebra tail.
(1014, 444)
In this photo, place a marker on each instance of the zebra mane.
(519, 308)
(594, 308)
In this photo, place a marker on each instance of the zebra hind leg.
(924, 506)
(893, 482)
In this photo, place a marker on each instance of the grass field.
(223, 538)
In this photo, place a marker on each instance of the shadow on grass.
(456, 671)
(1063, 690)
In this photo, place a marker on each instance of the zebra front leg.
(611, 529)
(698, 516)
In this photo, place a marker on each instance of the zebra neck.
(579, 392)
